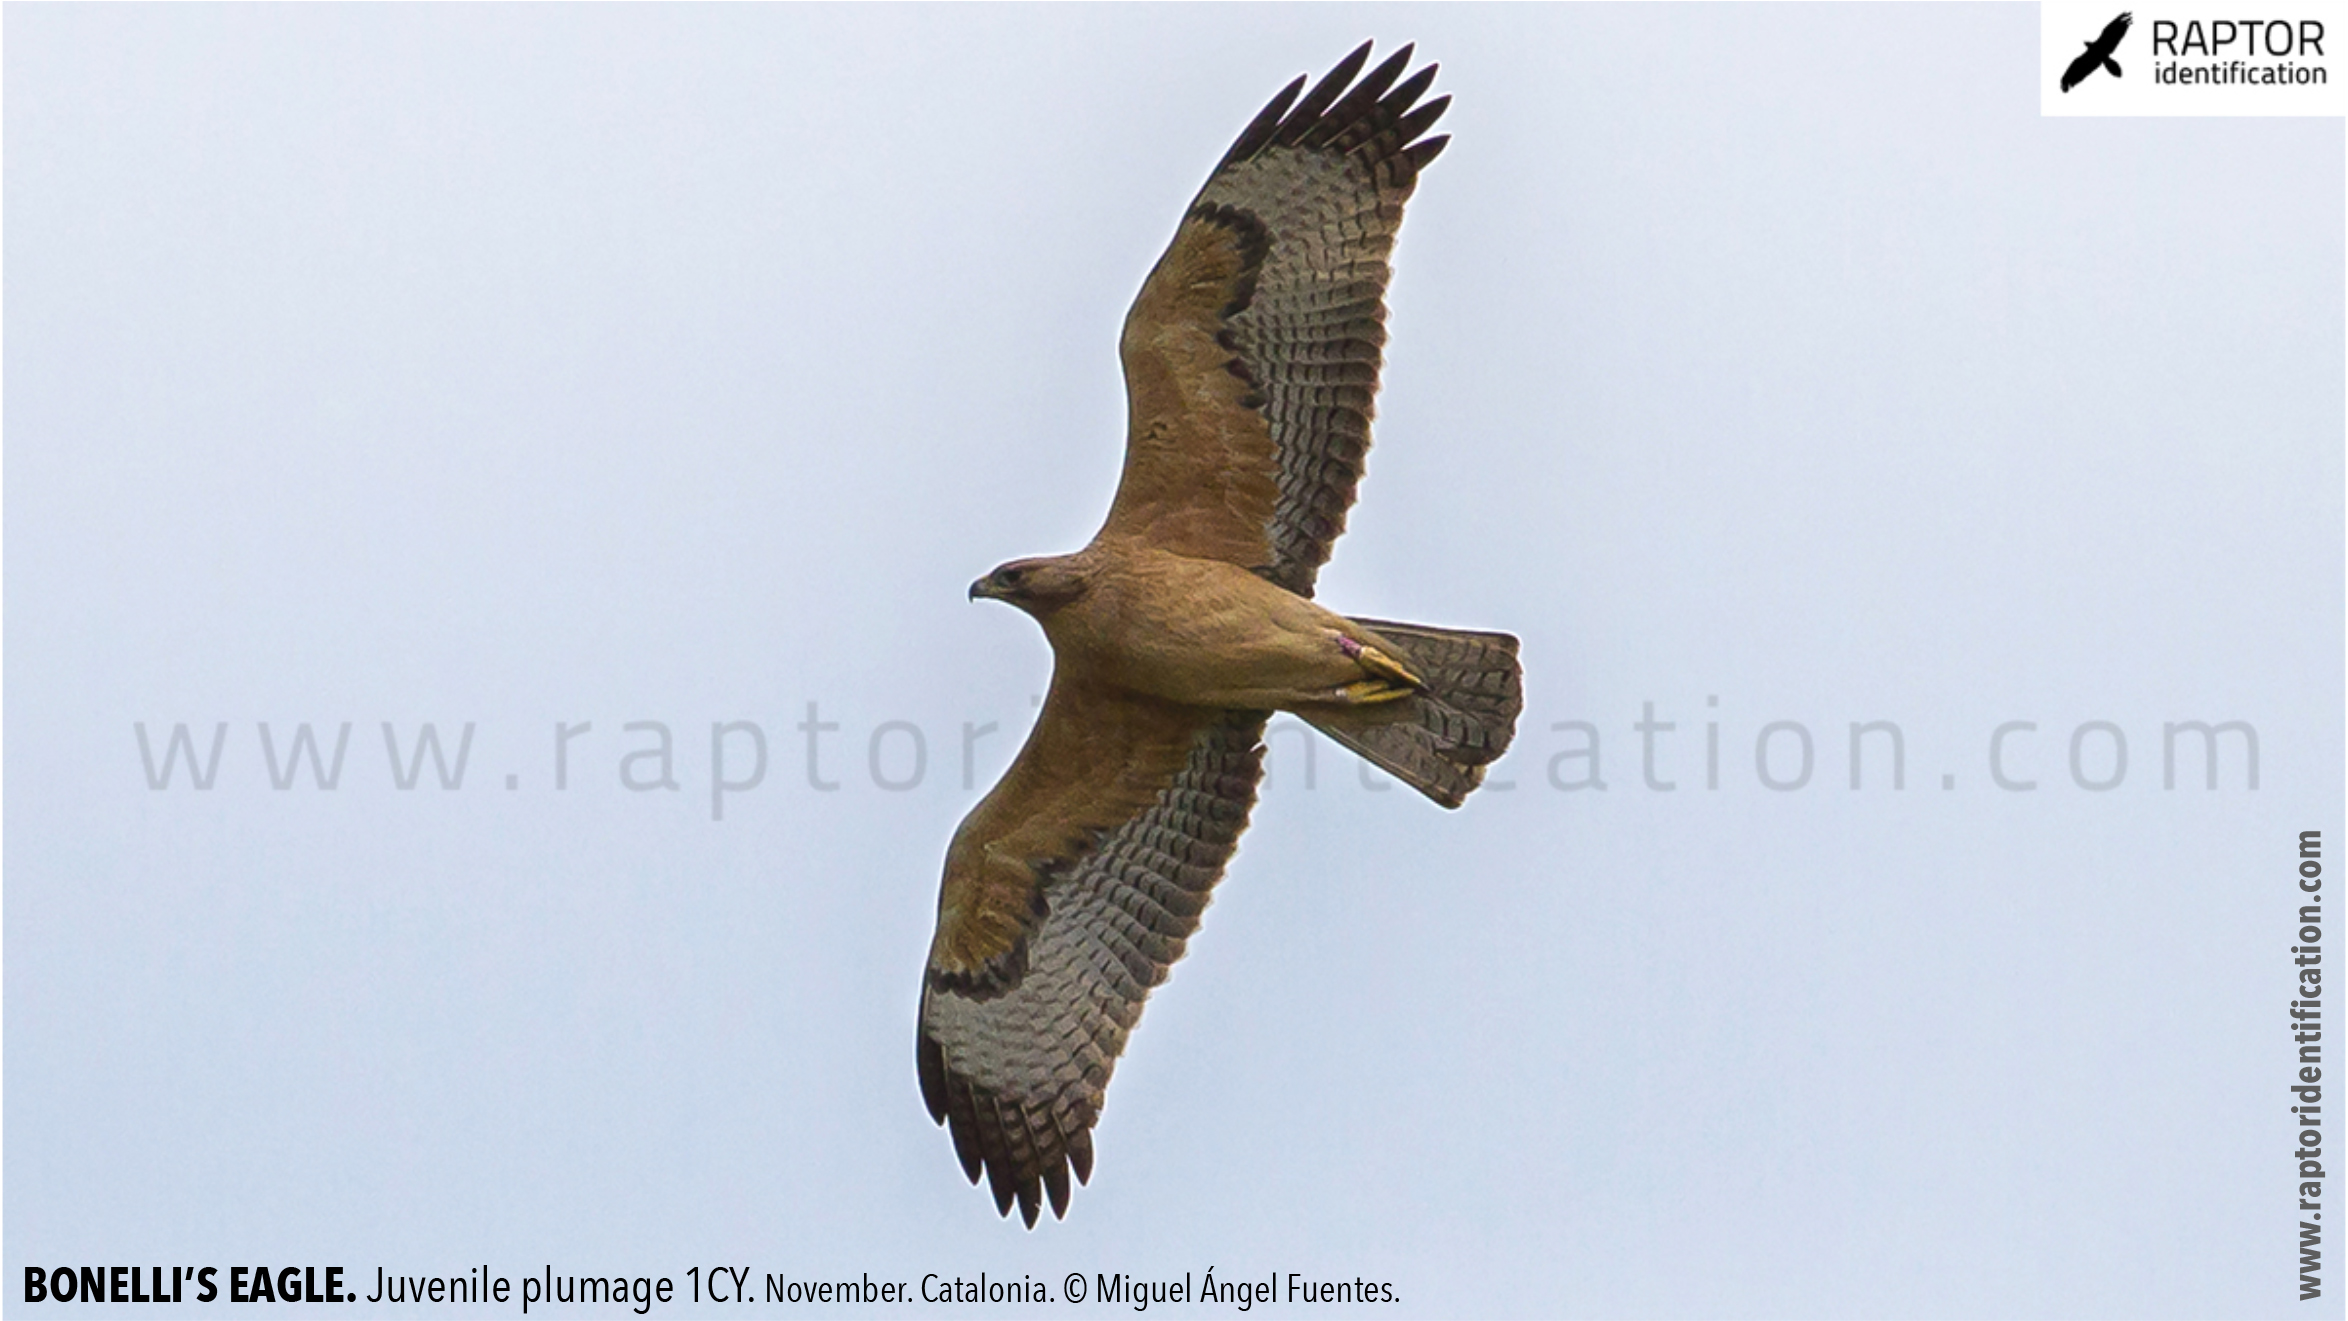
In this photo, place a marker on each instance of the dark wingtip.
(1323, 95)
(964, 1133)
(1420, 120)
(1259, 130)
(1358, 105)
(1369, 117)
(1408, 94)
(929, 1065)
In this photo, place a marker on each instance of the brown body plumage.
(1251, 356)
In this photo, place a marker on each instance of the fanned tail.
(1439, 740)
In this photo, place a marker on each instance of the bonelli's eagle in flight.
(1250, 358)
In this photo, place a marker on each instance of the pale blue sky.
(538, 365)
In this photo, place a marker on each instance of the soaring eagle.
(2098, 54)
(1250, 359)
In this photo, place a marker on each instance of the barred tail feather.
(1439, 740)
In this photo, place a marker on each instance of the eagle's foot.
(1365, 692)
(1379, 665)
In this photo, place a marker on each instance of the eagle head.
(1038, 586)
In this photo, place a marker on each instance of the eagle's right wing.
(1252, 352)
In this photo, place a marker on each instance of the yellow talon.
(1363, 692)
(1378, 663)
(1388, 668)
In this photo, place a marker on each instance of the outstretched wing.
(2112, 32)
(2079, 68)
(1069, 892)
(1252, 353)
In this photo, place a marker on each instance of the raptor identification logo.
(2208, 57)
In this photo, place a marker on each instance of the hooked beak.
(980, 589)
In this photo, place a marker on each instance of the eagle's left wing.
(1069, 892)
(1252, 352)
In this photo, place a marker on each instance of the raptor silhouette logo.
(2098, 54)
